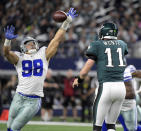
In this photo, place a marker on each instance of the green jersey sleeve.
(91, 52)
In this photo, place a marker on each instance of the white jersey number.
(108, 52)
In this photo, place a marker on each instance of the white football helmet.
(26, 40)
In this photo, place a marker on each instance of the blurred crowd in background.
(34, 18)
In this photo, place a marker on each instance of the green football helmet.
(108, 31)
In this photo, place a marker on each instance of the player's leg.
(121, 120)
(138, 98)
(139, 118)
(104, 128)
(30, 107)
(117, 93)
(138, 101)
(14, 109)
(112, 115)
(130, 119)
(139, 114)
(101, 106)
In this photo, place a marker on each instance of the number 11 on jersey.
(108, 52)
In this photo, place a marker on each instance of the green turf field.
(52, 128)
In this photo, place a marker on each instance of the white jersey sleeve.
(128, 72)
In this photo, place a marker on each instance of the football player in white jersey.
(31, 66)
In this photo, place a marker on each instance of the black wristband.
(79, 79)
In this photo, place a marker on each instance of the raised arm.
(53, 45)
(9, 35)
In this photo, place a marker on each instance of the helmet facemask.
(26, 41)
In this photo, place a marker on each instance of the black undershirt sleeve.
(90, 56)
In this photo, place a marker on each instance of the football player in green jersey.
(108, 54)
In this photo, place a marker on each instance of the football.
(59, 16)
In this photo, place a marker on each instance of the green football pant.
(22, 110)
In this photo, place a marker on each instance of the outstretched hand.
(70, 16)
(72, 13)
(9, 32)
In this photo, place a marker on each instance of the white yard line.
(58, 123)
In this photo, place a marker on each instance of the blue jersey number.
(37, 66)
